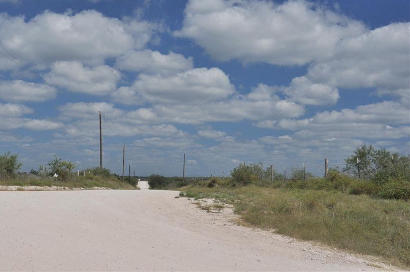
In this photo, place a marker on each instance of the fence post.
(326, 167)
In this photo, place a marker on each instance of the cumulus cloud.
(35, 124)
(50, 37)
(211, 134)
(12, 117)
(84, 110)
(340, 52)
(295, 32)
(13, 110)
(154, 62)
(385, 120)
(20, 91)
(10, 1)
(304, 91)
(378, 58)
(74, 76)
(192, 86)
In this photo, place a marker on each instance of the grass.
(357, 223)
(76, 182)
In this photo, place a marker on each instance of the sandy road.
(143, 230)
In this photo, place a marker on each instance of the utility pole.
(304, 172)
(358, 166)
(271, 173)
(183, 170)
(326, 167)
(123, 162)
(129, 173)
(101, 156)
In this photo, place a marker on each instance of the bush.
(339, 181)
(157, 182)
(61, 168)
(245, 174)
(363, 187)
(101, 172)
(9, 165)
(395, 190)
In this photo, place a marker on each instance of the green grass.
(76, 182)
(357, 223)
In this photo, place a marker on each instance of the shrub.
(245, 174)
(363, 187)
(339, 181)
(395, 190)
(9, 165)
(157, 181)
(61, 168)
(97, 171)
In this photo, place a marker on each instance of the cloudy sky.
(226, 81)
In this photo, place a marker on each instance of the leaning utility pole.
(101, 164)
(123, 162)
(183, 170)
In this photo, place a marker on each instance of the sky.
(285, 83)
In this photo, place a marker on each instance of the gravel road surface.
(144, 230)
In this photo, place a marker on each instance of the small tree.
(361, 163)
(245, 174)
(9, 165)
(379, 166)
(61, 168)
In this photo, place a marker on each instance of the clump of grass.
(354, 222)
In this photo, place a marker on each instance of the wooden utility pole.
(123, 162)
(326, 167)
(271, 173)
(101, 155)
(304, 172)
(183, 170)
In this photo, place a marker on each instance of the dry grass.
(357, 223)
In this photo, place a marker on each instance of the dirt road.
(143, 230)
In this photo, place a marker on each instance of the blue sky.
(226, 81)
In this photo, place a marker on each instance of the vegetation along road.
(145, 230)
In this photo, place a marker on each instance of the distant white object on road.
(143, 185)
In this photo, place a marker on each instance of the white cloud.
(19, 91)
(193, 86)
(74, 76)
(13, 110)
(87, 36)
(386, 120)
(295, 32)
(10, 1)
(211, 134)
(376, 59)
(234, 109)
(84, 110)
(153, 62)
(303, 91)
(12, 118)
(34, 124)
